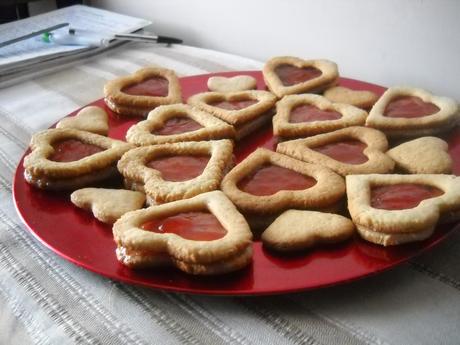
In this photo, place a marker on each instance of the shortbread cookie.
(267, 183)
(395, 209)
(352, 150)
(295, 230)
(90, 119)
(409, 112)
(202, 235)
(107, 205)
(139, 93)
(178, 122)
(232, 84)
(287, 75)
(245, 110)
(426, 155)
(66, 159)
(363, 99)
(306, 115)
(170, 172)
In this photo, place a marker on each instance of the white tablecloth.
(46, 300)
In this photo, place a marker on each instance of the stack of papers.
(35, 54)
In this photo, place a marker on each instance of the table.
(47, 300)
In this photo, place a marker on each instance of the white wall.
(412, 42)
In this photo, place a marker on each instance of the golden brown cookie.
(426, 155)
(90, 119)
(202, 235)
(287, 75)
(395, 209)
(107, 205)
(307, 115)
(245, 110)
(232, 84)
(178, 122)
(363, 99)
(410, 112)
(66, 158)
(170, 172)
(139, 93)
(268, 183)
(296, 230)
(352, 150)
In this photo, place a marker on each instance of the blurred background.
(391, 42)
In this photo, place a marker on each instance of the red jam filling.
(234, 105)
(291, 75)
(270, 179)
(179, 168)
(155, 87)
(310, 113)
(409, 107)
(177, 125)
(196, 226)
(72, 150)
(402, 196)
(350, 151)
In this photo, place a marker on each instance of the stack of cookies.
(346, 162)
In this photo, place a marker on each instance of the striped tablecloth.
(46, 300)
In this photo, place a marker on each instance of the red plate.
(75, 235)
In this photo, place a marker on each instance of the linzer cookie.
(139, 93)
(363, 99)
(267, 183)
(296, 230)
(307, 115)
(90, 119)
(426, 155)
(176, 123)
(233, 84)
(352, 150)
(245, 110)
(287, 75)
(203, 235)
(66, 158)
(170, 172)
(395, 209)
(107, 205)
(408, 112)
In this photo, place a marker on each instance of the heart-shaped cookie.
(107, 205)
(395, 209)
(202, 235)
(90, 119)
(408, 112)
(236, 83)
(296, 230)
(307, 115)
(363, 99)
(287, 75)
(426, 155)
(351, 150)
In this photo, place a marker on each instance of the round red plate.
(75, 235)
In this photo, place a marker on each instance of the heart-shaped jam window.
(70, 150)
(310, 113)
(196, 226)
(409, 107)
(234, 105)
(179, 168)
(154, 87)
(402, 196)
(269, 179)
(178, 125)
(291, 75)
(347, 151)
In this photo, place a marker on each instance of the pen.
(33, 34)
